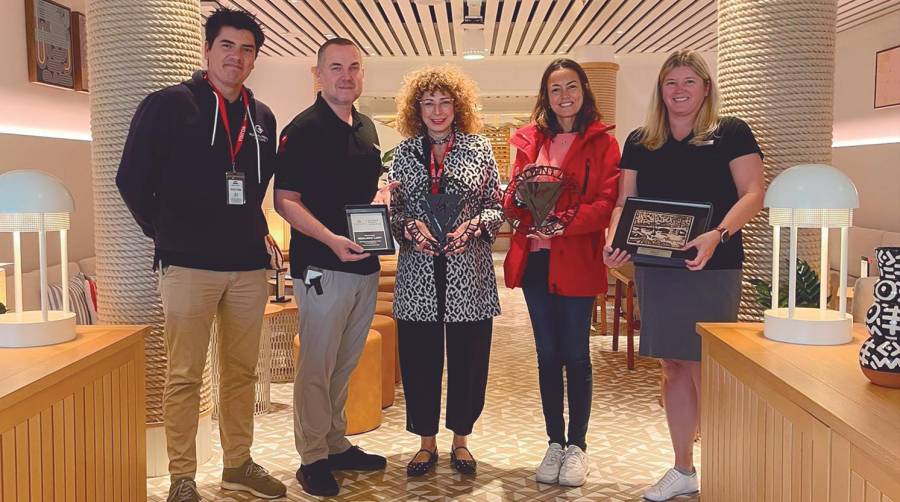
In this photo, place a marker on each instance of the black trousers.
(468, 349)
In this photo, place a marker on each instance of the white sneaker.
(548, 471)
(574, 468)
(673, 484)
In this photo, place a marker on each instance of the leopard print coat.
(470, 170)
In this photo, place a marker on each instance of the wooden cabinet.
(72, 419)
(786, 422)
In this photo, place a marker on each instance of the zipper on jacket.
(587, 173)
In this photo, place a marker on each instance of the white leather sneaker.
(574, 468)
(548, 471)
(673, 484)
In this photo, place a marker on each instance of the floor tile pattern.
(627, 441)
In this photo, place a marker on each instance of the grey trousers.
(333, 331)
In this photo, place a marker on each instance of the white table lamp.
(810, 196)
(34, 201)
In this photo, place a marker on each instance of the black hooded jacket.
(172, 178)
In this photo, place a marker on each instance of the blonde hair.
(447, 79)
(656, 130)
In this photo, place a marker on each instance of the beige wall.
(875, 171)
(68, 160)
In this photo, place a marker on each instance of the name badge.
(708, 142)
(234, 188)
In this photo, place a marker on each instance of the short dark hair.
(334, 41)
(237, 19)
(543, 115)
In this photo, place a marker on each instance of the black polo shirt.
(331, 164)
(681, 171)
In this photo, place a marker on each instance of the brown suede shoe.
(254, 479)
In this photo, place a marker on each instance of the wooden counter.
(72, 418)
(794, 422)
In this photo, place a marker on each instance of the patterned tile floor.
(627, 440)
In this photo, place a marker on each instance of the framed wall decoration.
(79, 47)
(49, 34)
(887, 77)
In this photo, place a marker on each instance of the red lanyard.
(438, 171)
(233, 147)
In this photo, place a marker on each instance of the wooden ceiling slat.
(565, 27)
(376, 45)
(506, 16)
(577, 32)
(330, 22)
(662, 11)
(667, 30)
(399, 29)
(884, 9)
(518, 29)
(275, 30)
(289, 27)
(383, 27)
(299, 27)
(443, 22)
(676, 41)
(615, 20)
(549, 28)
(534, 27)
(641, 14)
(413, 27)
(490, 22)
(434, 48)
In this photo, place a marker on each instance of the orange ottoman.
(388, 268)
(384, 308)
(386, 283)
(363, 407)
(388, 329)
(384, 296)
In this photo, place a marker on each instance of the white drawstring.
(256, 137)
(212, 140)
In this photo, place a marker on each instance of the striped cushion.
(78, 300)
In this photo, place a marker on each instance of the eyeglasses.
(431, 105)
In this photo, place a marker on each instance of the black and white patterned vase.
(879, 356)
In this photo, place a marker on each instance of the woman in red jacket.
(561, 274)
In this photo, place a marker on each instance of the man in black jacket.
(194, 171)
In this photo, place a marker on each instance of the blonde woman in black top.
(687, 152)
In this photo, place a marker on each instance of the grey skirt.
(673, 300)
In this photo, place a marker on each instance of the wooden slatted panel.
(535, 26)
(428, 28)
(565, 26)
(656, 29)
(376, 45)
(506, 19)
(759, 447)
(399, 28)
(390, 36)
(490, 22)
(415, 31)
(613, 20)
(578, 30)
(282, 21)
(517, 31)
(549, 27)
(853, 20)
(449, 46)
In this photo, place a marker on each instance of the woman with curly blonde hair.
(446, 292)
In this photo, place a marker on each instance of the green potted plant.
(807, 288)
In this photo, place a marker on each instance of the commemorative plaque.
(369, 226)
(655, 231)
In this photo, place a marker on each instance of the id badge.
(234, 188)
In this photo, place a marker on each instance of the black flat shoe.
(416, 469)
(462, 466)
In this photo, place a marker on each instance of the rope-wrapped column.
(597, 61)
(776, 71)
(136, 47)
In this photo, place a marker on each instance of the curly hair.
(447, 79)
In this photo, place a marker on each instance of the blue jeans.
(561, 326)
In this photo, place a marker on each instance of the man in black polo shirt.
(328, 157)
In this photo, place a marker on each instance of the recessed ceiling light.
(619, 32)
(329, 36)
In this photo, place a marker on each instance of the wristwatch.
(724, 235)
